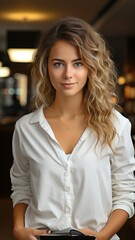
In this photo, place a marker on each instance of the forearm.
(18, 215)
(115, 222)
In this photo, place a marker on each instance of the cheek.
(54, 75)
(50, 76)
(54, 79)
(84, 77)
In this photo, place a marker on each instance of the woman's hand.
(116, 220)
(22, 233)
(89, 232)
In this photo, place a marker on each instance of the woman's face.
(67, 72)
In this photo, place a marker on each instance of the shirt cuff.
(130, 210)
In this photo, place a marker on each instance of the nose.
(68, 72)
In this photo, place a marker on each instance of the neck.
(68, 108)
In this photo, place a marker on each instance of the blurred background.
(21, 25)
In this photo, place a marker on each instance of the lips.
(68, 85)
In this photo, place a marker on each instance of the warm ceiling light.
(4, 71)
(21, 55)
(4, 64)
(26, 16)
(22, 45)
(121, 80)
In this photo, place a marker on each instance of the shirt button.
(67, 188)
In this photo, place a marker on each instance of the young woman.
(73, 155)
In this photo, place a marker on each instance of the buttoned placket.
(62, 160)
(68, 194)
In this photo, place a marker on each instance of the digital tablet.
(62, 237)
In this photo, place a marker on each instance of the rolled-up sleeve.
(19, 172)
(123, 169)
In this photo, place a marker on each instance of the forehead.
(63, 49)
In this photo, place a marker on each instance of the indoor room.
(22, 25)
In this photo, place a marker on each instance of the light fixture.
(4, 64)
(121, 80)
(4, 72)
(22, 45)
(21, 55)
(28, 16)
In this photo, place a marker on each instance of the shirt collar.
(37, 116)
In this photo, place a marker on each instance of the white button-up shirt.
(79, 192)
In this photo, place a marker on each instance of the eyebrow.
(61, 60)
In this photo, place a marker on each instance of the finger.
(87, 231)
(41, 232)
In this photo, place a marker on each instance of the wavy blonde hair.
(100, 86)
